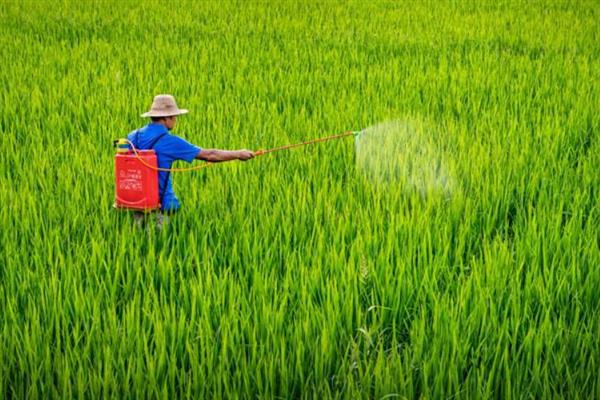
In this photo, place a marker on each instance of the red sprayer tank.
(136, 182)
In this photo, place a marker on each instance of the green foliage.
(295, 274)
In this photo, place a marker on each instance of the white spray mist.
(407, 153)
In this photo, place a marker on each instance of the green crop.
(328, 271)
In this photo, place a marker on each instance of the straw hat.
(164, 106)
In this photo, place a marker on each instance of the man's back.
(168, 148)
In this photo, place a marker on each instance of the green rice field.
(451, 251)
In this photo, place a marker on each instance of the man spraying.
(169, 148)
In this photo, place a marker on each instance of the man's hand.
(245, 155)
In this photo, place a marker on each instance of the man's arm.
(216, 155)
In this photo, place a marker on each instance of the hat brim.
(151, 113)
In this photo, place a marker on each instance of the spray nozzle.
(357, 134)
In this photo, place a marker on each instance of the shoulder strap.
(162, 196)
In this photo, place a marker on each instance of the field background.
(295, 275)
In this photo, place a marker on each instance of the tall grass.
(297, 275)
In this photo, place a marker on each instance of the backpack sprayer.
(136, 172)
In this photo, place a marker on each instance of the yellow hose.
(257, 153)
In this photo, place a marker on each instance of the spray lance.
(136, 171)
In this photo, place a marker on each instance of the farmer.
(169, 148)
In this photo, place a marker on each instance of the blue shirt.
(168, 148)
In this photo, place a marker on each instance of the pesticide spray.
(406, 154)
(396, 152)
